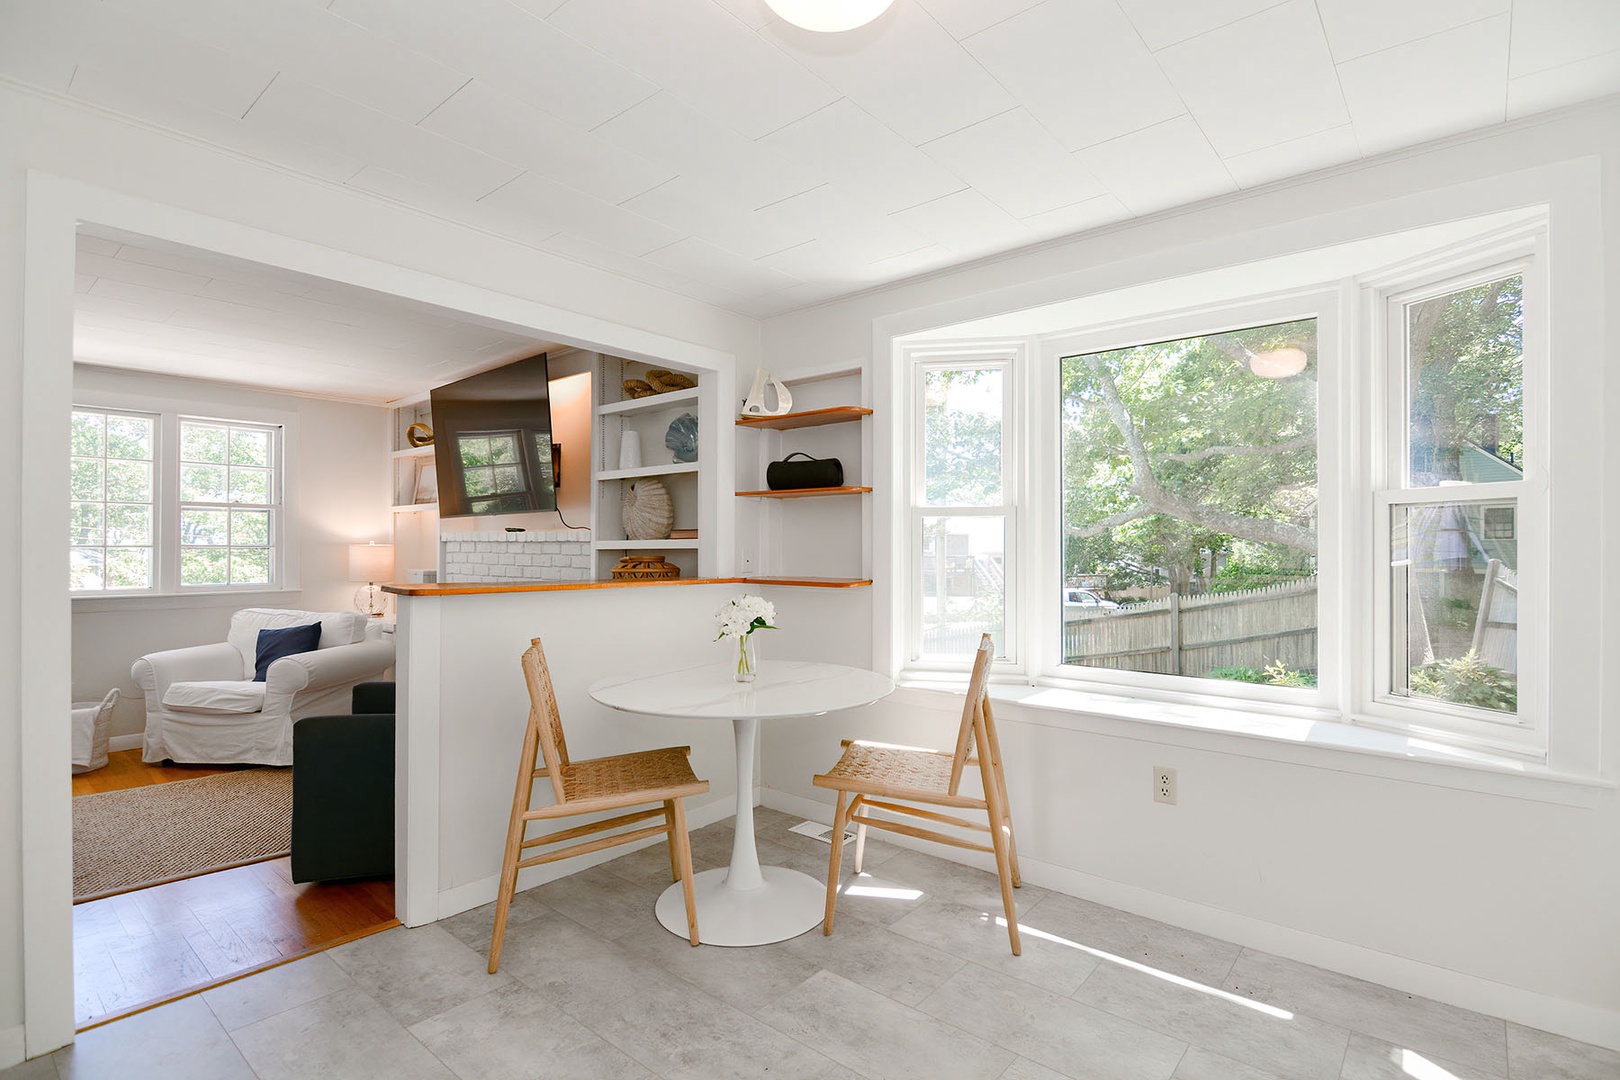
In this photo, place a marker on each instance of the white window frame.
(175, 506)
(166, 526)
(1354, 456)
(1011, 359)
(1315, 302)
(155, 541)
(1525, 733)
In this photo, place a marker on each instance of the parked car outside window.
(1085, 600)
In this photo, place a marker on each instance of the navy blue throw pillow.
(289, 641)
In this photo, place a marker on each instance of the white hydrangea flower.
(742, 615)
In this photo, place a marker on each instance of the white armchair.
(202, 705)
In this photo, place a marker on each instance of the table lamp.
(371, 563)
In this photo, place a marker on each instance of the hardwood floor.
(142, 948)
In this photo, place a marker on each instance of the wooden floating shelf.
(813, 582)
(802, 493)
(841, 414)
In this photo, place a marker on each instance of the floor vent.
(817, 831)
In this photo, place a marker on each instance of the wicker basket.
(644, 568)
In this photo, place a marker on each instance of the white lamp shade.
(371, 562)
(829, 16)
(1278, 363)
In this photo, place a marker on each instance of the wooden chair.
(876, 773)
(584, 787)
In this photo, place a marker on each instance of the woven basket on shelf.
(644, 568)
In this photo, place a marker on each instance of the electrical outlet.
(1164, 785)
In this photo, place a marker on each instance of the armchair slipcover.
(202, 706)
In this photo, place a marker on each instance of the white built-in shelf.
(413, 452)
(645, 545)
(649, 470)
(649, 403)
(415, 508)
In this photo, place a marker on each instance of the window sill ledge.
(1313, 741)
(161, 601)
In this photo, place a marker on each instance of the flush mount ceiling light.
(829, 16)
(1278, 363)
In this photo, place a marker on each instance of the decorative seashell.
(681, 438)
(648, 514)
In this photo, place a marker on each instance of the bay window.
(1331, 500)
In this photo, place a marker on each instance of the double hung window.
(962, 523)
(1460, 508)
(164, 503)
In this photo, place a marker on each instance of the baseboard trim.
(477, 893)
(12, 1046)
(125, 742)
(1571, 1019)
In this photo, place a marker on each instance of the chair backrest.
(545, 720)
(975, 711)
(337, 628)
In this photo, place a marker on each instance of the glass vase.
(747, 659)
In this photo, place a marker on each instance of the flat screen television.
(492, 442)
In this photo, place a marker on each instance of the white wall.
(338, 491)
(1493, 895)
(465, 703)
(60, 162)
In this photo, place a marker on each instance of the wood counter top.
(475, 588)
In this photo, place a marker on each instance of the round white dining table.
(745, 903)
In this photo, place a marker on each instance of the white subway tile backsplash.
(500, 556)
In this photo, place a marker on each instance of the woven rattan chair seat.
(867, 765)
(646, 774)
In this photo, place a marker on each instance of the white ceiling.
(708, 148)
(155, 306)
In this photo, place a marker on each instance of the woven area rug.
(130, 839)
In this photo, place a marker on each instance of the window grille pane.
(127, 525)
(89, 438)
(205, 528)
(129, 481)
(962, 411)
(205, 566)
(1189, 506)
(1454, 596)
(85, 567)
(204, 442)
(1465, 385)
(250, 447)
(963, 586)
(88, 479)
(250, 485)
(250, 527)
(129, 568)
(250, 566)
(88, 524)
(204, 483)
(129, 437)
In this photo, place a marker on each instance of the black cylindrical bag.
(787, 474)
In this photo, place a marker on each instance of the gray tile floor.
(917, 981)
